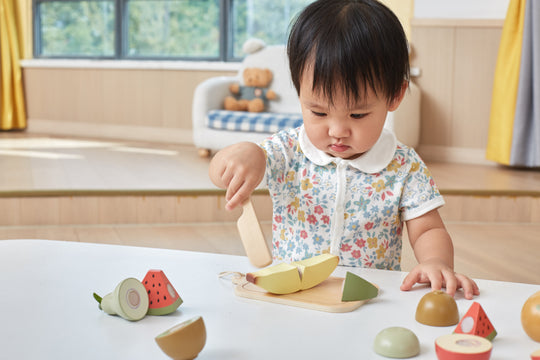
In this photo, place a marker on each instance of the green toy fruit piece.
(162, 296)
(396, 342)
(128, 300)
(356, 289)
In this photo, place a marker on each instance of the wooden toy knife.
(252, 237)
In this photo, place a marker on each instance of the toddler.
(342, 182)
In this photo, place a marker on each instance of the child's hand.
(440, 275)
(240, 169)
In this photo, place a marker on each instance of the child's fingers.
(235, 201)
(234, 198)
(451, 282)
(234, 185)
(227, 175)
(469, 286)
(439, 279)
(239, 186)
(412, 278)
(436, 279)
(408, 282)
(239, 196)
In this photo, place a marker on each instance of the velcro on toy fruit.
(286, 278)
(462, 347)
(476, 322)
(163, 297)
(316, 269)
(356, 288)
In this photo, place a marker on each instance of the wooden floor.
(42, 163)
(38, 165)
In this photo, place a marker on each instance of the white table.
(48, 312)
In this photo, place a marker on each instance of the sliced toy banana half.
(286, 278)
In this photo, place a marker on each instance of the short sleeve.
(420, 193)
(280, 150)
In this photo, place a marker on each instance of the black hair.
(351, 44)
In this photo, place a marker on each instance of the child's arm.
(240, 169)
(434, 251)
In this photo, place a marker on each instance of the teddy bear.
(253, 96)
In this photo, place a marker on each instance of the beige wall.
(456, 58)
(116, 102)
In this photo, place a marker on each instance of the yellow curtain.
(13, 26)
(505, 85)
(404, 10)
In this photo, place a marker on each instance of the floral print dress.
(352, 208)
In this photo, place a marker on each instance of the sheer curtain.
(526, 136)
(13, 26)
(514, 132)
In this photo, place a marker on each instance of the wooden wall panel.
(126, 97)
(91, 86)
(476, 52)
(435, 82)
(457, 60)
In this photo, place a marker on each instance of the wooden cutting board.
(324, 297)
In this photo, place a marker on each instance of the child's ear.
(394, 104)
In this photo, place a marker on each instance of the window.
(158, 29)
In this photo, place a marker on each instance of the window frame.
(120, 39)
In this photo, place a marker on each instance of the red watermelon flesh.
(476, 322)
(162, 296)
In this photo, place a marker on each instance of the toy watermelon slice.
(162, 296)
(476, 322)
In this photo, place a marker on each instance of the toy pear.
(129, 300)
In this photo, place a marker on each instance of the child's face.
(342, 129)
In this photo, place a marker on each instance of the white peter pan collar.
(374, 160)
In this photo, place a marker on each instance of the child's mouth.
(339, 148)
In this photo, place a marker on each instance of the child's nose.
(338, 129)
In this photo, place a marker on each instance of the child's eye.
(358, 116)
(318, 113)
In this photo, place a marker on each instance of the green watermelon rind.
(167, 309)
(491, 335)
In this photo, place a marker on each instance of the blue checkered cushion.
(253, 122)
